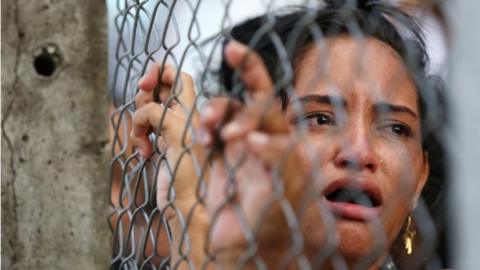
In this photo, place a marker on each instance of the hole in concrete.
(46, 60)
(45, 65)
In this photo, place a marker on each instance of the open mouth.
(353, 199)
(353, 195)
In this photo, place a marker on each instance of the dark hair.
(282, 38)
(271, 35)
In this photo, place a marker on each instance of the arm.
(178, 171)
(261, 134)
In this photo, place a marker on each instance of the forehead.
(361, 67)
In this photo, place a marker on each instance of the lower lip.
(353, 211)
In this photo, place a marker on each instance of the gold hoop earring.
(409, 235)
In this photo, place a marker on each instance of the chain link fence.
(283, 134)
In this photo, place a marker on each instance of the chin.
(360, 242)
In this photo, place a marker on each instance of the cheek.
(320, 147)
(314, 225)
(401, 172)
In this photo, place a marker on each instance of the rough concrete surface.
(54, 132)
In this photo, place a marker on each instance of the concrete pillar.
(54, 135)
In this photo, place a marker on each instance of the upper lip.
(366, 185)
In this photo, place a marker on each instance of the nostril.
(350, 164)
(357, 153)
(371, 167)
(357, 164)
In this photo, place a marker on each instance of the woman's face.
(361, 109)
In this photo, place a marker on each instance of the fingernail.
(203, 137)
(231, 47)
(208, 113)
(230, 130)
(257, 138)
(140, 82)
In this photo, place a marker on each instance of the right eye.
(317, 120)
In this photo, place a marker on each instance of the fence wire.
(308, 151)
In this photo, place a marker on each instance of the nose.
(356, 151)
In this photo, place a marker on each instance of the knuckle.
(149, 107)
(135, 119)
(141, 98)
(134, 138)
(140, 112)
(168, 73)
(138, 100)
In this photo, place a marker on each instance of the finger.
(216, 109)
(270, 148)
(142, 98)
(266, 114)
(149, 82)
(144, 120)
(271, 119)
(253, 70)
(186, 90)
(243, 122)
(150, 79)
(280, 152)
(168, 81)
(216, 112)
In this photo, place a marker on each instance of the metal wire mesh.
(201, 201)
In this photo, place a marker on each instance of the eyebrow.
(382, 107)
(325, 99)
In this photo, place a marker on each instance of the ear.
(425, 171)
